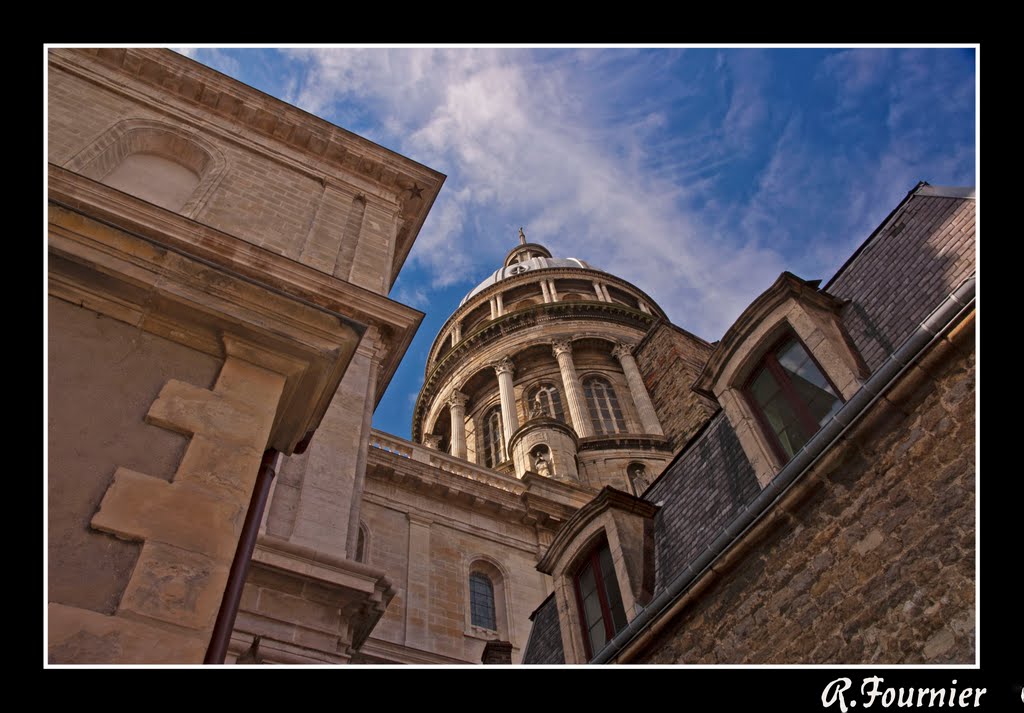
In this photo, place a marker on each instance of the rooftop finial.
(522, 236)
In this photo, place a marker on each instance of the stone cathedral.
(586, 482)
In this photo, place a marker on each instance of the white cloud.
(573, 145)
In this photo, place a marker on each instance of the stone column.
(494, 308)
(607, 297)
(573, 390)
(648, 416)
(644, 308)
(509, 419)
(456, 333)
(431, 441)
(599, 292)
(552, 290)
(544, 289)
(500, 303)
(457, 403)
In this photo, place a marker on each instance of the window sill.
(478, 632)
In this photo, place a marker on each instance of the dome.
(534, 263)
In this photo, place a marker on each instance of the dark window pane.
(601, 610)
(611, 589)
(793, 396)
(493, 448)
(481, 599)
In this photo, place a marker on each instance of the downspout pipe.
(956, 305)
(225, 623)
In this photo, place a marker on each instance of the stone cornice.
(247, 115)
(396, 323)
(630, 441)
(533, 500)
(551, 313)
(506, 502)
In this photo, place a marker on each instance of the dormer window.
(783, 369)
(599, 599)
(791, 396)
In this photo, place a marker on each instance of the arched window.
(494, 451)
(603, 405)
(481, 601)
(161, 163)
(544, 400)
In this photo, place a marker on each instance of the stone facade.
(226, 257)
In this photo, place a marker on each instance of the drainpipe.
(956, 305)
(225, 623)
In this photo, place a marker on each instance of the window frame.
(610, 401)
(555, 405)
(493, 459)
(592, 558)
(769, 360)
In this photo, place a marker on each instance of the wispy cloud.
(698, 175)
(538, 138)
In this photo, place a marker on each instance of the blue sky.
(698, 174)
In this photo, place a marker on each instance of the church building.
(586, 482)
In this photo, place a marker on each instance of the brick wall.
(670, 359)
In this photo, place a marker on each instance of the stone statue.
(638, 474)
(522, 236)
(541, 466)
(537, 407)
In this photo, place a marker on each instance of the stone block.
(137, 506)
(177, 586)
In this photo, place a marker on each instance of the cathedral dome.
(518, 268)
(534, 373)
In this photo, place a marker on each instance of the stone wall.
(669, 359)
(872, 558)
(103, 377)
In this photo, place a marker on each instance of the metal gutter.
(956, 305)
